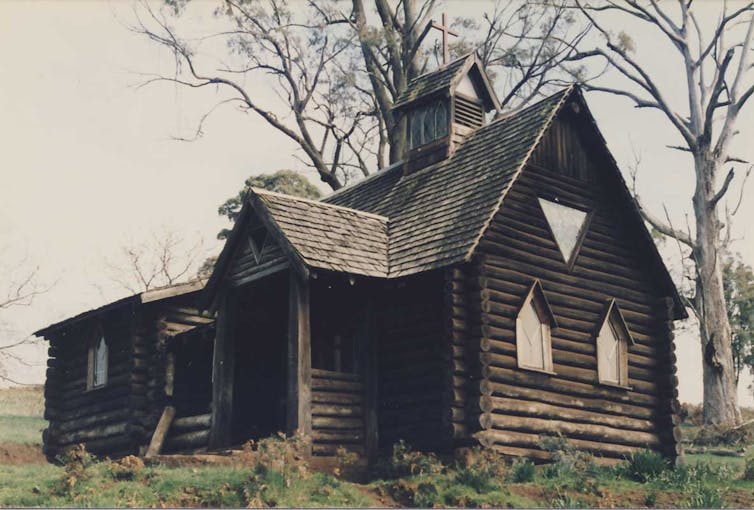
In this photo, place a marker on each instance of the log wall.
(337, 409)
(515, 406)
(462, 319)
(99, 418)
(413, 359)
(119, 418)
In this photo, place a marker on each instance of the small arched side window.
(98, 361)
(612, 339)
(534, 323)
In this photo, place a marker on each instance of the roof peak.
(446, 78)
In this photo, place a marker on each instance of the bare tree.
(719, 82)
(339, 67)
(165, 258)
(20, 287)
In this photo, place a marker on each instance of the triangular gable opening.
(568, 226)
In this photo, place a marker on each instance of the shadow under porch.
(292, 354)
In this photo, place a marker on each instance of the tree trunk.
(720, 398)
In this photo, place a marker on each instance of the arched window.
(441, 119)
(428, 123)
(533, 325)
(612, 341)
(98, 361)
(417, 127)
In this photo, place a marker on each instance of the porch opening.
(259, 332)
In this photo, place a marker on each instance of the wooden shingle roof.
(446, 79)
(327, 236)
(432, 82)
(391, 224)
(438, 214)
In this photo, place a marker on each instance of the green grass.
(22, 401)
(224, 486)
(21, 429)
(212, 486)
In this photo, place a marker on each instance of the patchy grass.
(21, 429)
(214, 486)
(127, 483)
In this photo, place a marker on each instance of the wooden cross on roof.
(445, 29)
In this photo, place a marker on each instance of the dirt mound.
(19, 454)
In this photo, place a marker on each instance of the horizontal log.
(331, 450)
(318, 373)
(338, 436)
(550, 257)
(337, 398)
(195, 439)
(530, 444)
(600, 433)
(92, 420)
(321, 384)
(188, 423)
(568, 387)
(519, 407)
(523, 271)
(337, 410)
(526, 256)
(93, 433)
(600, 405)
(491, 348)
(563, 372)
(328, 422)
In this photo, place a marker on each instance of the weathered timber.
(516, 407)
(161, 432)
(601, 433)
(190, 423)
(188, 440)
(299, 387)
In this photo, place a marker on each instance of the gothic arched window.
(533, 325)
(98, 361)
(428, 123)
(612, 341)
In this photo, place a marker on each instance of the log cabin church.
(495, 287)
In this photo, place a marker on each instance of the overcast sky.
(88, 161)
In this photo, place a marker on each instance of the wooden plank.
(223, 366)
(187, 423)
(155, 445)
(299, 387)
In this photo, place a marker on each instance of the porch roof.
(327, 236)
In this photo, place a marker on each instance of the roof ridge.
(262, 191)
(444, 66)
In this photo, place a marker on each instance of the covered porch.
(294, 353)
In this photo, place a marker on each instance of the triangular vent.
(568, 226)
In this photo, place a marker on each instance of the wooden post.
(161, 432)
(299, 415)
(223, 364)
(368, 340)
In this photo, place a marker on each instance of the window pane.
(417, 119)
(100, 363)
(608, 349)
(429, 124)
(441, 119)
(532, 350)
(566, 224)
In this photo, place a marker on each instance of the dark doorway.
(259, 337)
(192, 391)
